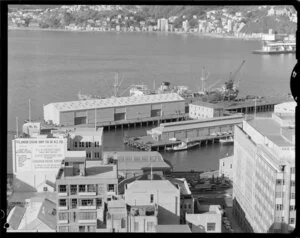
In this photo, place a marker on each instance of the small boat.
(183, 146)
(227, 140)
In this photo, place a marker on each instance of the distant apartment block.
(83, 187)
(87, 139)
(264, 174)
(202, 110)
(150, 190)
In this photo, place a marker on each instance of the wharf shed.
(110, 110)
(196, 128)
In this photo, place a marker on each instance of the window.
(88, 154)
(81, 144)
(74, 203)
(151, 198)
(62, 188)
(293, 183)
(211, 226)
(292, 195)
(63, 216)
(75, 144)
(63, 229)
(123, 223)
(91, 228)
(184, 206)
(81, 228)
(97, 144)
(91, 188)
(231, 166)
(97, 155)
(87, 216)
(278, 181)
(190, 206)
(73, 189)
(87, 202)
(111, 187)
(136, 226)
(45, 189)
(292, 208)
(81, 188)
(292, 220)
(86, 144)
(150, 226)
(98, 202)
(90, 144)
(74, 216)
(62, 202)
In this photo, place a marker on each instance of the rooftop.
(87, 131)
(75, 156)
(191, 124)
(173, 228)
(136, 160)
(116, 102)
(271, 129)
(206, 104)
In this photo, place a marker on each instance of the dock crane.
(232, 76)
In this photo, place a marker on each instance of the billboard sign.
(39, 154)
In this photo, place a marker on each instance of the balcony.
(87, 221)
(62, 207)
(62, 194)
(87, 207)
(86, 193)
(63, 221)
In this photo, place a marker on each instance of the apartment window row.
(87, 215)
(292, 208)
(81, 144)
(279, 207)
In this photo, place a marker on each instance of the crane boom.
(232, 77)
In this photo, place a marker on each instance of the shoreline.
(211, 35)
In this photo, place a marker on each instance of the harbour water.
(53, 66)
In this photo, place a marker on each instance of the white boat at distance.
(227, 140)
(183, 146)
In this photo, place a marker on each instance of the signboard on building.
(32, 154)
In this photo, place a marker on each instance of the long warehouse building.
(114, 109)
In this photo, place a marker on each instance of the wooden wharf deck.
(149, 144)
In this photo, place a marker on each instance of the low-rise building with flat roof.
(114, 109)
(206, 218)
(135, 163)
(203, 110)
(83, 187)
(153, 189)
(195, 128)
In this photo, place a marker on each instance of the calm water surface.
(53, 66)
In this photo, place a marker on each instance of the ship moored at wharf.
(277, 48)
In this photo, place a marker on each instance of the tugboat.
(183, 146)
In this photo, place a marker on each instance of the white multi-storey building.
(264, 174)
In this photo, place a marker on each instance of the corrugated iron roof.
(116, 102)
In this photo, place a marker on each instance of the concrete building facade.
(225, 167)
(83, 187)
(203, 110)
(119, 109)
(157, 191)
(87, 139)
(264, 175)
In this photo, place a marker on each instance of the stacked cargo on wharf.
(116, 111)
